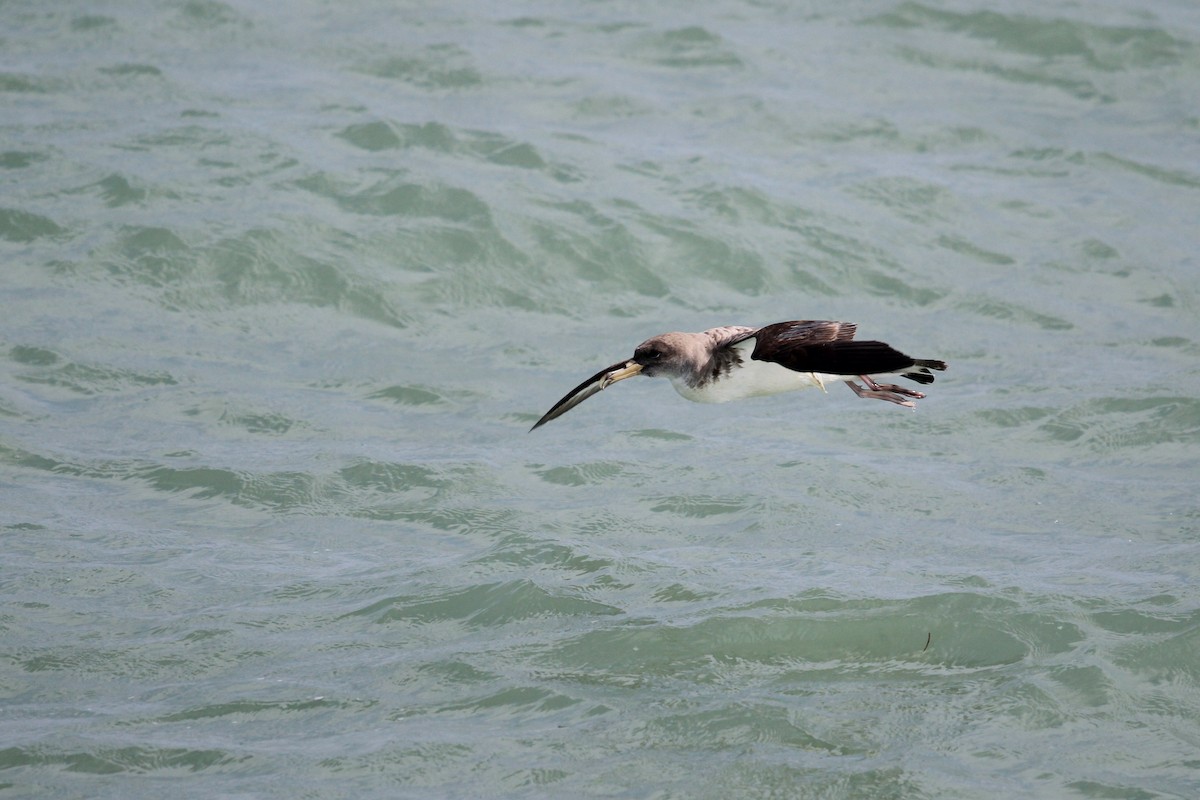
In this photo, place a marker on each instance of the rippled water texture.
(286, 284)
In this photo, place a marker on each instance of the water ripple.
(444, 66)
(486, 605)
(102, 760)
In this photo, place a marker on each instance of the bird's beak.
(630, 369)
(598, 382)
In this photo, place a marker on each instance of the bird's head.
(668, 355)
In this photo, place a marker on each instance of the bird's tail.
(923, 375)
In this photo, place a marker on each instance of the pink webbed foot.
(885, 391)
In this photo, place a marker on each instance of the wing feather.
(826, 347)
(776, 337)
(806, 331)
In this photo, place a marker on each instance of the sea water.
(286, 284)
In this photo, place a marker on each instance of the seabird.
(734, 362)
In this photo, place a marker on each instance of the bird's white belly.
(752, 379)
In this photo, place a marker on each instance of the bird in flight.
(735, 362)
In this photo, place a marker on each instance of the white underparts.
(752, 379)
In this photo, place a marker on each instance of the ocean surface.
(285, 284)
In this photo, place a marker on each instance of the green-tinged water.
(284, 285)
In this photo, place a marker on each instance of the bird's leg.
(885, 391)
(890, 387)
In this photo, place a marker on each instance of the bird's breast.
(750, 379)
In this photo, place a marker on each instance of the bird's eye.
(654, 355)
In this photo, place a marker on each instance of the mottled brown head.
(682, 355)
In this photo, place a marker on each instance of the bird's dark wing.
(806, 331)
(826, 347)
(795, 344)
(583, 391)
